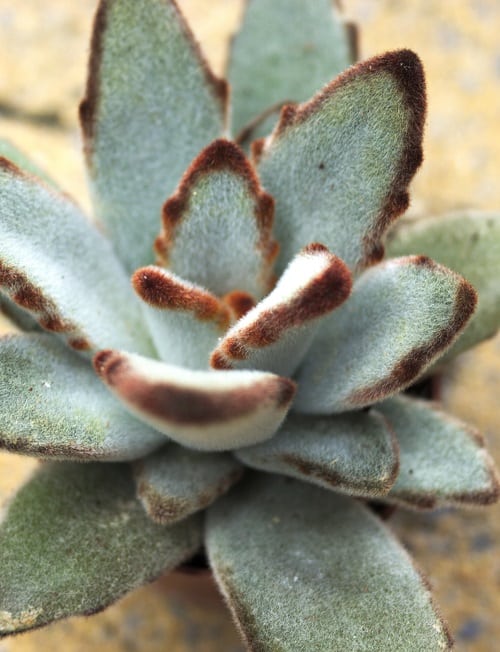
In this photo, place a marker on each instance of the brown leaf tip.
(239, 303)
(107, 363)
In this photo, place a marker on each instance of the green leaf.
(57, 266)
(175, 482)
(443, 461)
(322, 573)
(75, 540)
(53, 405)
(276, 334)
(353, 453)
(339, 165)
(468, 243)
(401, 316)
(151, 105)
(20, 317)
(9, 151)
(285, 50)
(208, 410)
(217, 226)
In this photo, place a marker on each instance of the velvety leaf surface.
(53, 405)
(208, 410)
(20, 317)
(275, 335)
(175, 482)
(322, 573)
(339, 165)
(443, 461)
(75, 539)
(217, 226)
(184, 319)
(151, 105)
(354, 453)
(468, 243)
(401, 316)
(57, 266)
(285, 50)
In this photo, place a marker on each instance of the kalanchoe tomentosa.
(263, 328)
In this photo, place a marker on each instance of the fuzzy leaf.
(53, 405)
(151, 105)
(401, 316)
(209, 410)
(443, 461)
(277, 333)
(285, 50)
(339, 165)
(468, 243)
(353, 453)
(57, 266)
(9, 151)
(322, 573)
(184, 319)
(75, 540)
(217, 226)
(17, 315)
(175, 482)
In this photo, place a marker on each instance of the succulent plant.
(256, 365)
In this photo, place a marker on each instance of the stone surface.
(43, 50)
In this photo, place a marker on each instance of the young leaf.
(275, 335)
(53, 405)
(217, 226)
(339, 165)
(175, 482)
(58, 267)
(401, 316)
(285, 50)
(468, 243)
(151, 105)
(208, 410)
(353, 453)
(75, 540)
(322, 573)
(443, 461)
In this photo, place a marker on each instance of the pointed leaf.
(322, 573)
(184, 319)
(443, 461)
(53, 405)
(217, 226)
(357, 144)
(285, 50)
(209, 410)
(276, 334)
(401, 316)
(54, 264)
(151, 105)
(75, 540)
(468, 243)
(353, 453)
(175, 482)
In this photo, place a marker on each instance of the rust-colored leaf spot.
(239, 302)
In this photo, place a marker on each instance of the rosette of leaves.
(258, 355)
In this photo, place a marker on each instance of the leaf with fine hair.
(321, 573)
(75, 540)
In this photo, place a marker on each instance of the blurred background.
(43, 53)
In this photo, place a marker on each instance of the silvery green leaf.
(276, 334)
(321, 573)
(174, 482)
(443, 461)
(285, 50)
(9, 151)
(208, 410)
(339, 165)
(53, 405)
(355, 453)
(217, 226)
(57, 266)
(402, 314)
(151, 105)
(17, 315)
(469, 243)
(75, 540)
